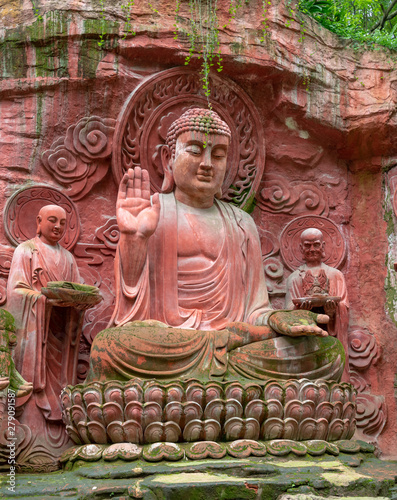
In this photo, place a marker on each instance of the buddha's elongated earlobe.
(166, 161)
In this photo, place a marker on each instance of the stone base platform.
(290, 477)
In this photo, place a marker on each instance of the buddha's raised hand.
(136, 215)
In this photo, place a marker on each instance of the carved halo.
(21, 210)
(152, 107)
(335, 248)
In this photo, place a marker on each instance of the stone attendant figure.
(316, 279)
(192, 262)
(48, 332)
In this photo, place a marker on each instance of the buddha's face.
(51, 224)
(312, 248)
(199, 166)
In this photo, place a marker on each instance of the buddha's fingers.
(307, 330)
(145, 185)
(130, 183)
(137, 182)
(123, 187)
(156, 202)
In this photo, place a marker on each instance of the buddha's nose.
(206, 162)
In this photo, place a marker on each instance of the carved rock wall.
(328, 118)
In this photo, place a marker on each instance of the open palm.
(136, 215)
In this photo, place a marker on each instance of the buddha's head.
(51, 224)
(194, 157)
(312, 246)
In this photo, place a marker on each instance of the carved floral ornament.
(77, 161)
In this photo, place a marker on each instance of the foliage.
(364, 22)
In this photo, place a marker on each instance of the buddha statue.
(191, 297)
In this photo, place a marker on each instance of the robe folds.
(232, 289)
(47, 336)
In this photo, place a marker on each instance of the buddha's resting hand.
(136, 215)
(298, 323)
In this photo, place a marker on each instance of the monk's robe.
(339, 323)
(47, 348)
(198, 305)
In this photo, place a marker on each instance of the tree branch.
(386, 17)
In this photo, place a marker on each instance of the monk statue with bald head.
(191, 297)
(321, 288)
(48, 332)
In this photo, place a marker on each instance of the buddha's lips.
(204, 177)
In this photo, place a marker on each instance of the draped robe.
(48, 337)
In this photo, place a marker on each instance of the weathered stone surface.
(251, 478)
(328, 114)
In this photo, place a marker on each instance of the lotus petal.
(307, 429)
(83, 432)
(152, 412)
(335, 430)
(274, 408)
(78, 414)
(133, 432)
(256, 409)
(95, 413)
(197, 430)
(159, 432)
(195, 392)
(155, 394)
(74, 435)
(299, 410)
(133, 392)
(349, 410)
(235, 391)
(134, 411)
(213, 391)
(291, 429)
(115, 432)
(97, 433)
(273, 390)
(238, 428)
(251, 392)
(174, 392)
(291, 390)
(111, 412)
(272, 428)
(76, 397)
(325, 410)
(92, 395)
